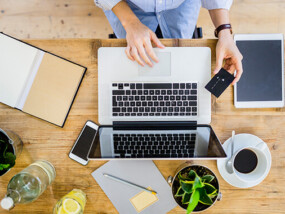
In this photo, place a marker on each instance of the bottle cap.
(7, 203)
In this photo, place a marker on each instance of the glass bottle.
(29, 184)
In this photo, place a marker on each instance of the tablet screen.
(262, 71)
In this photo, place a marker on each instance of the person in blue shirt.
(137, 20)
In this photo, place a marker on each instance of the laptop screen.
(156, 143)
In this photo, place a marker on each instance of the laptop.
(160, 112)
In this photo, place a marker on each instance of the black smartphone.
(80, 149)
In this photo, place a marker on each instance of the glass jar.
(14, 142)
(72, 203)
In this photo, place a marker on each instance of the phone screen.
(84, 142)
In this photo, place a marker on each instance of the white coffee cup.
(261, 168)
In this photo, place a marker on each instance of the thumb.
(156, 40)
(219, 62)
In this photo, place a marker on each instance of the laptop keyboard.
(154, 145)
(154, 99)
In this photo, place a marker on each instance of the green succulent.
(194, 189)
(7, 159)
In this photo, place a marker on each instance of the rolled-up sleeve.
(106, 4)
(217, 4)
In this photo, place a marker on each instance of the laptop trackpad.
(162, 68)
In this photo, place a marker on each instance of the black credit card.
(219, 83)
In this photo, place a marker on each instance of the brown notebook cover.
(53, 89)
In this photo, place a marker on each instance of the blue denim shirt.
(176, 18)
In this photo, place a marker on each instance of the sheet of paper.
(16, 60)
(140, 172)
(143, 200)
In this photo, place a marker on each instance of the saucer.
(241, 141)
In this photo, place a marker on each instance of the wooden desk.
(45, 141)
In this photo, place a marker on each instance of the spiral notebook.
(37, 82)
(129, 199)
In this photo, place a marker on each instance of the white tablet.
(262, 81)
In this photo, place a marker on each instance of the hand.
(226, 49)
(139, 38)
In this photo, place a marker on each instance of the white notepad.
(37, 82)
(16, 65)
(141, 172)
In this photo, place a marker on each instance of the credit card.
(219, 83)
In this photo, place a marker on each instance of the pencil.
(128, 183)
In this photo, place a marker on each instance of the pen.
(128, 183)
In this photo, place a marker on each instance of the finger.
(231, 69)
(144, 56)
(228, 61)
(156, 41)
(127, 51)
(229, 66)
(219, 62)
(239, 71)
(149, 50)
(134, 53)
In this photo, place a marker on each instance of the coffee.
(245, 161)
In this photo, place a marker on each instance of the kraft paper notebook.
(129, 199)
(37, 82)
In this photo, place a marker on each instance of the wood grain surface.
(40, 19)
(46, 141)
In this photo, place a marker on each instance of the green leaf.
(194, 200)
(192, 175)
(9, 158)
(197, 183)
(180, 177)
(186, 198)
(204, 198)
(213, 195)
(4, 166)
(6, 146)
(187, 186)
(207, 178)
(210, 189)
(179, 192)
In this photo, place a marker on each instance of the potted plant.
(7, 153)
(195, 188)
